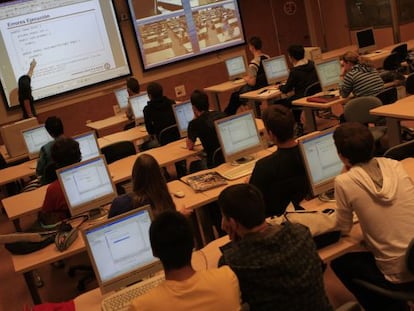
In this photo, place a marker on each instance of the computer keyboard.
(239, 171)
(121, 300)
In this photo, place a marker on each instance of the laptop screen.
(138, 103)
(120, 251)
(183, 113)
(88, 145)
(35, 138)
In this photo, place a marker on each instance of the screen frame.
(331, 86)
(139, 120)
(121, 89)
(238, 75)
(34, 155)
(278, 79)
(87, 134)
(183, 133)
(367, 48)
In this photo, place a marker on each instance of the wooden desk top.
(16, 172)
(225, 86)
(9, 159)
(108, 122)
(401, 109)
(269, 92)
(304, 103)
(339, 52)
(24, 203)
(133, 134)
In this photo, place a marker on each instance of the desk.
(16, 172)
(264, 95)
(339, 52)
(134, 135)
(9, 159)
(309, 107)
(402, 109)
(104, 125)
(227, 86)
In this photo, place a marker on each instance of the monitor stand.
(328, 196)
(242, 160)
(97, 214)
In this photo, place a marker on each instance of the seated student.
(302, 74)
(277, 266)
(133, 88)
(184, 288)
(148, 186)
(281, 176)
(358, 78)
(381, 194)
(255, 77)
(54, 127)
(203, 127)
(65, 151)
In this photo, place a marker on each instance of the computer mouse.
(179, 194)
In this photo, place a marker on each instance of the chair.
(388, 96)
(117, 151)
(392, 62)
(401, 151)
(168, 135)
(402, 51)
(312, 89)
(409, 84)
(129, 125)
(217, 157)
(398, 294)
(357, 110)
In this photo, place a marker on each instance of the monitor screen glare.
(122, 98)
(138, 103)
(236, 67)
(35, 138)
(329, 74)
(238, 136)
(183, 115)
(88, 145)
(276, 69)
(365, 40)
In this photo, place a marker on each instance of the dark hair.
(244, 203)
(154, 90)
(65, 151)
(24, 88)
(172, 240)
(199, 99)
(280, 121)
(133, 85)
(296, 51)
(54, 126)
(148, 183)
(350, 57)
(355, 142)
(256, 42)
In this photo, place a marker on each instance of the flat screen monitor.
(120, 251)
(329, 72)
(88, 145)
(35, 138)
(174, 30)
(239, 137)
(13, 138)
(236, 67)
(138, 103)
(121, 96)
(365, 40)
(183, 113)
(76, 43)
(321, 160)
(87, 185)
(276, 69)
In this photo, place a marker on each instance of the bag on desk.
(27, 247)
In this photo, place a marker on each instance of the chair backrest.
(169, 134)
(312, 89)
(357, 109)
(409, 257)
(402, 51)
(117, 151)
(388, 96)
(129, 125)
(409, 84)
(401, 151)
(392, 62)
(217, 157)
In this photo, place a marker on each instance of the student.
(54, 127)
(358, 78)
(65, 151)
(302, 74)
(25, 93)
(277, 266)
(184, 288)
(255, 77)
(148, 186)
(381, 194)
(203, 127)
(133, 88)
(281, 176)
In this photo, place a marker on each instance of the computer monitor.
(13, 138)
(35, 138)
(276, 69)
(87, 186)
(321, 160)
(120, 250)
(183, 113)
(88, 145)
(329, 72)
(365, 40)
(236, 67)
(239, 137)
(122, 95)
(138, 103)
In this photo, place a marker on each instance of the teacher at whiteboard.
(25, 93)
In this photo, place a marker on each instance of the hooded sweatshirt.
(158, 115)
(381, 194)
(300, 77)
(361, 80)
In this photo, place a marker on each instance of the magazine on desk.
(205, 181)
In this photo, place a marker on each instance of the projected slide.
(75, 44)
(172, 30)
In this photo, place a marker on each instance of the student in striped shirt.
(358, 78)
